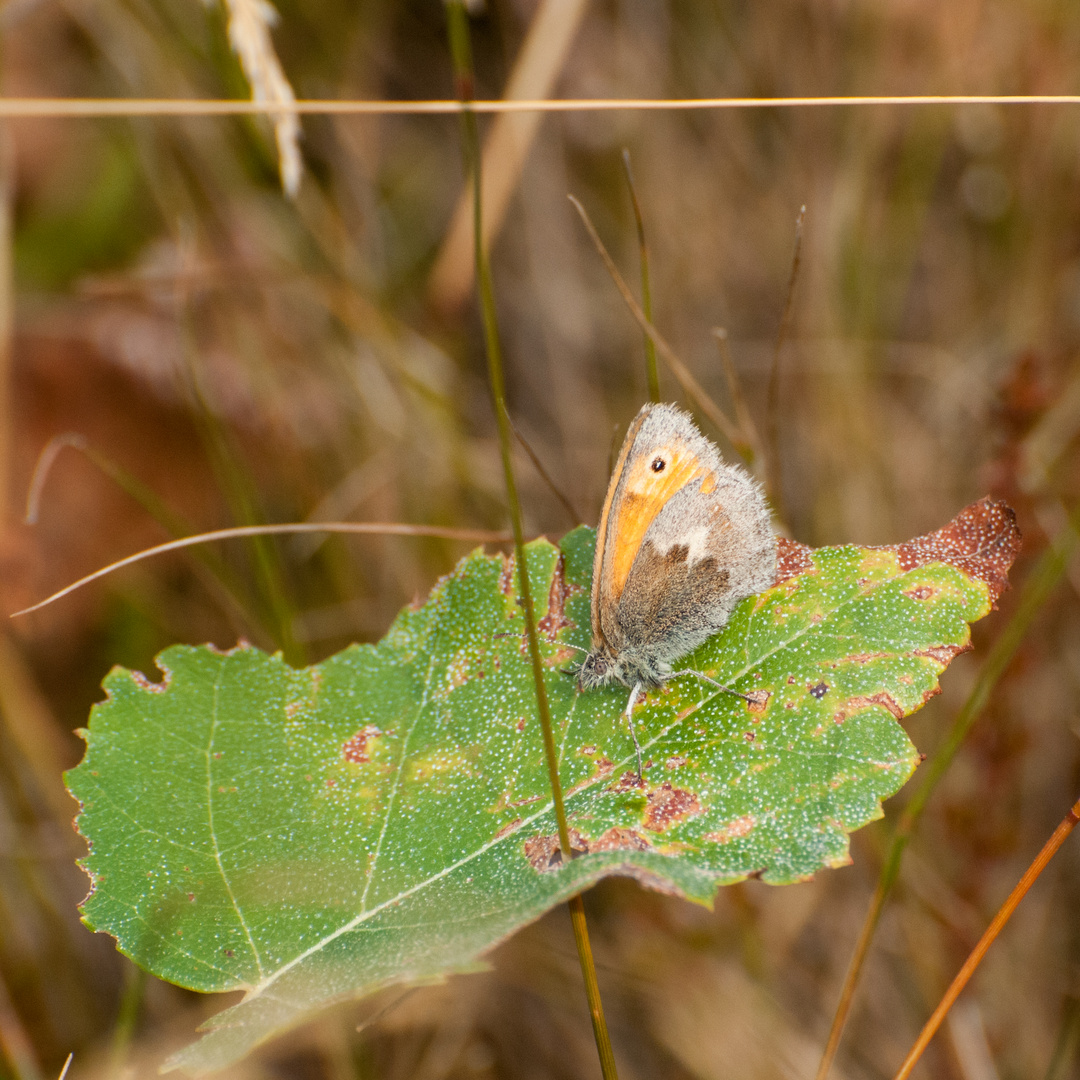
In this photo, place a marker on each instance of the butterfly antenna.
(576, 648)
(634, 695)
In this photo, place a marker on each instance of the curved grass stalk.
(371, 528)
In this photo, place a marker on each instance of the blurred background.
(213, 352)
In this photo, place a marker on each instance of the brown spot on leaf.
(508, 828)
(732, 830)
(757, 701)
(143, 683)
(504, 802)
(866, 657)
(543, 851)
(526, 801)
(520, 725)
(667, 805)
(629, 781)
(602, 768)
(555, 619)
(819, 691)
(675, 762)
(792, 559)
(506, 575)
(462, 667)
(982, 541)
(356, 749)
(616, 839)
(922, 592)
(943, 654)
(882, 698)
(544, 854)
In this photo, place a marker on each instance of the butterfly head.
(631, 667)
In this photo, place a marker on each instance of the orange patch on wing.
(647, 493)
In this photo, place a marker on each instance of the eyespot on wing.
(646, 491)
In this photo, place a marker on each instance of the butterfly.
(683, 537)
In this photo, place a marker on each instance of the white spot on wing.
(695, 540)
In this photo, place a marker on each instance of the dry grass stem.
(506, 147)
(58, 107)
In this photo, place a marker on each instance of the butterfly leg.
(755, 697)
(635, 694)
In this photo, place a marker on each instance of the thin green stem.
(1038, 586)
(130, 1005)
(17, 1052)
(1067, 1042)
(461, 52)
(646, 288)
(592, 988)
(772, 408)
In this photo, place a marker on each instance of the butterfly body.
(683, 537)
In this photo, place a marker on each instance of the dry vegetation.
(247, 358)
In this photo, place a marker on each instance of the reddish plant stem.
(963, 976)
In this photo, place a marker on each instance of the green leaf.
(384, 816)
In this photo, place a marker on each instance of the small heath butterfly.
(683, 537)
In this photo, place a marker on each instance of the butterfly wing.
(704, 552)
(682, 538)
